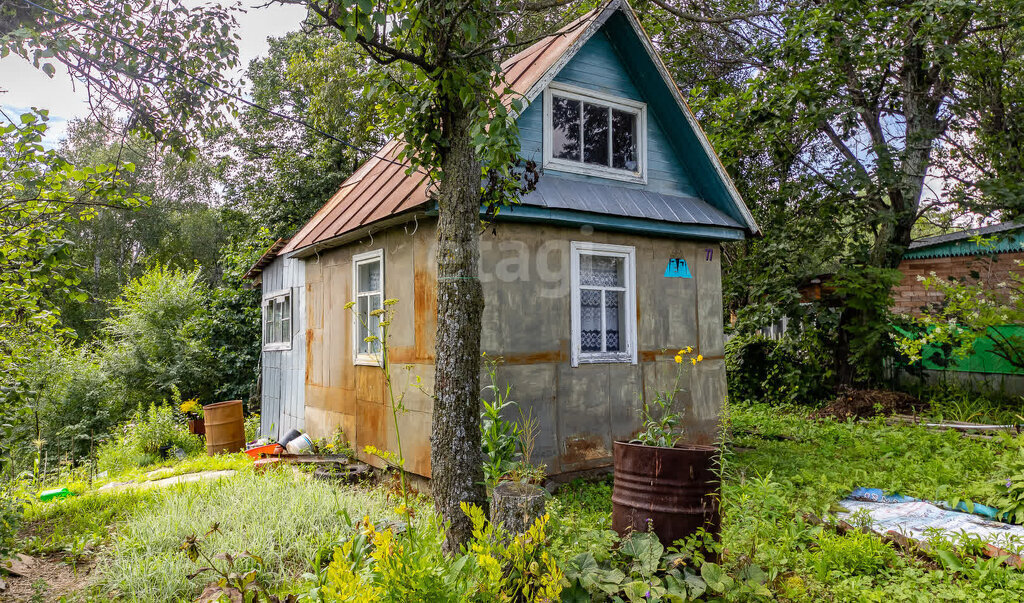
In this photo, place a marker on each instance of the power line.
(209, 84)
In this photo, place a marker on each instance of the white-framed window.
(277, 320)
(603, 283)
(588, 132)
(368, 290)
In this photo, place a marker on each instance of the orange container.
(225, 427)
(268, 450)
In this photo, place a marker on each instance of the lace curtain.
(600, 271)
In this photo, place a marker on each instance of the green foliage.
(252, 427)
(864, 333)
(283, 173)
(854, 553)
(498, 435)
(89, 517)
(180, 226)
(1009, 495)
(42, 197)
(665, 429)
(952, 400)
(138, 442)
(782, 466)
(175, 36)
(642, 569)
(156, 339)
(513, 567)
(11, 511)
(795, 369)
(968, 311)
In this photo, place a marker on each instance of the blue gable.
(614, 61)
(597, 67)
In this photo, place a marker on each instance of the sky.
(28, 87)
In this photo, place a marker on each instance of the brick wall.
(911, 294)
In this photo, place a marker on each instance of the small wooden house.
(592, 283)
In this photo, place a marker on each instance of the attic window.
(587, 132)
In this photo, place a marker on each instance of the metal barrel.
(675, 490)
(225, 427)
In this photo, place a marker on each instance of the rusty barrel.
(673, 489)
(225, 427)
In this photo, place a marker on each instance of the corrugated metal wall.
(284, 371)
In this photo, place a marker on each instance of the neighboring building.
(591, 284)
(957, 256)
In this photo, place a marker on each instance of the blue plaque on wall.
(677, 268)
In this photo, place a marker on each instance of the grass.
(281, 517)
(782, 465)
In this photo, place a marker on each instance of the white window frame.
(578, 167)
(628, 254)
(377, 255)
(268, 303)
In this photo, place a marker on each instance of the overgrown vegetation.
(781, 466)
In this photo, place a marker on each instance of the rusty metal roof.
(380, 188)
(265, 259)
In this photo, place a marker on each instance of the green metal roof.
(1010, 238)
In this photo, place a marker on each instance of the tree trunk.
(456, 457)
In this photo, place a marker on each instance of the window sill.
(574, 167)
(605, 359)
(366, 360)
(277, 347)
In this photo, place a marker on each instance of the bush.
(137, 443)
(791, 370)
(854, 553)
(156, 339)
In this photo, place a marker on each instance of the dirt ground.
(862, 403)
(44, 579)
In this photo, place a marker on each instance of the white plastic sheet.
(921, 520)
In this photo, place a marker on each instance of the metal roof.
(381, 188)
(960, 244)
(560, 193)
(265, 259)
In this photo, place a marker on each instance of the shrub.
(854, 553)
(137, 443)
(796, 369)
(252, 427)
(156, 338)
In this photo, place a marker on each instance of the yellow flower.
(349, 305)
(693, 361)
(679, 359)
(689, 349)
(390, 301)
(700, 358)
(680, 352)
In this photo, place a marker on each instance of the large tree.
(442, 93)
(854, 115)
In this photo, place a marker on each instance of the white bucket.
(300, 445)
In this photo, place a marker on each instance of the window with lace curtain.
(368, 290)
(603, 303)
